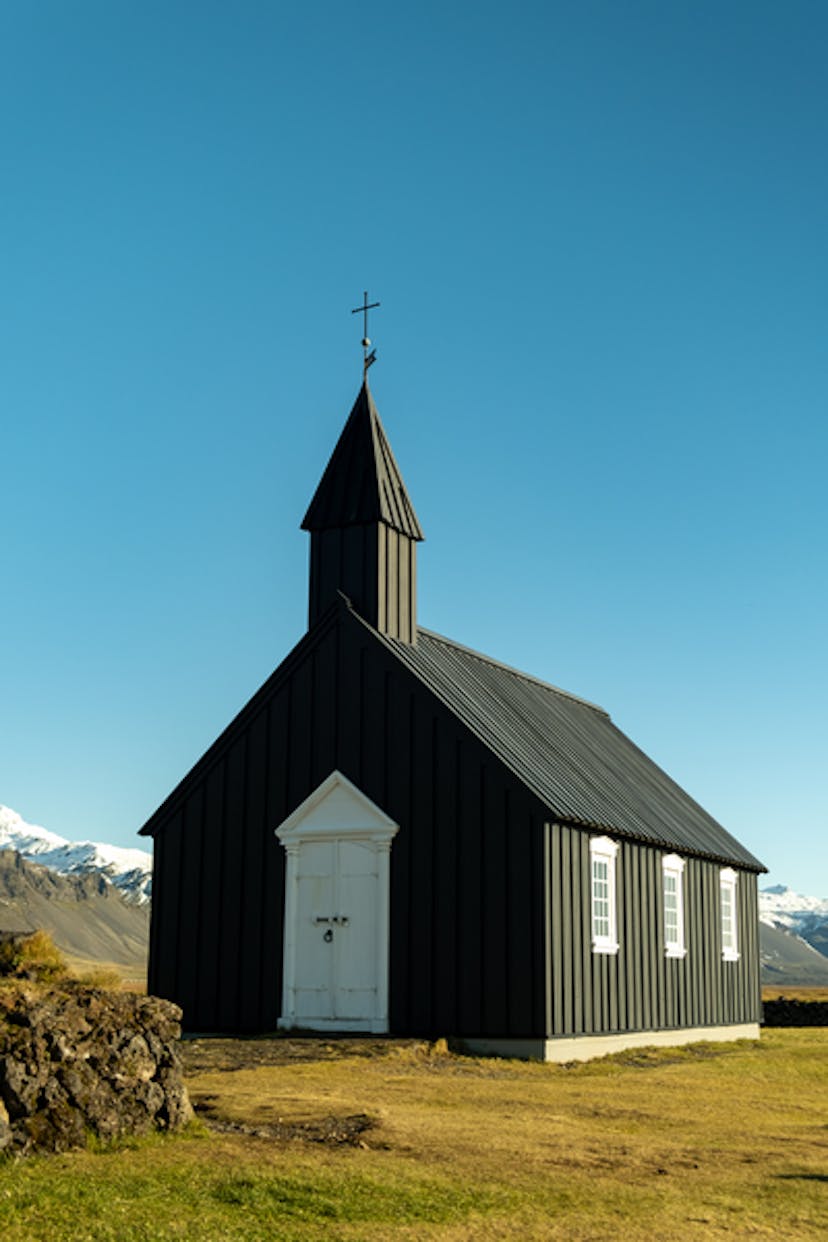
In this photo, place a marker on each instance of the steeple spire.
(364, 531)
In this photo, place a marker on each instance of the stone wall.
(784, 1012)
(78, 1060)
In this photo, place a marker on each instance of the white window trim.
(672, 864)
(603, 849)
(727, 882)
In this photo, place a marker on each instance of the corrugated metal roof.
(362, 481)
(567, 751)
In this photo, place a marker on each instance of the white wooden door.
(337, 925)
(337, 921)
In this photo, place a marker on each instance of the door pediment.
(337, 808)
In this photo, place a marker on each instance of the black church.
(399, 834)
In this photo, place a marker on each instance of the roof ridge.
(510, 668)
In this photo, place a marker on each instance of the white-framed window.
(602, 856)
(672, 887)
(729, 918)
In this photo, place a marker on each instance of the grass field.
(773, 991)
(133, 978)
(704, 1142)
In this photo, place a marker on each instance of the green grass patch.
(353, 1200)
(163, 1188)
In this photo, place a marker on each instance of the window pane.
(727, 918)
(601, 898)
(602, 882)
(671, 926)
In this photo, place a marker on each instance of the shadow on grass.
(801, 1177)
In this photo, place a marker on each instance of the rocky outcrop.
(76, 1061)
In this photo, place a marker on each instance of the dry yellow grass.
(657, 1144)
(134, 979)
(35, 954)
(773, 992)
(670, 1144)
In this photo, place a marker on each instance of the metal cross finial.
(368, 358)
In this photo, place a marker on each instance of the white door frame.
(337, 811)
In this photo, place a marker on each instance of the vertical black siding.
(466, 902)
(323, 752)
(160, 957)
(445, 875)
(421, 923)
(470, 912)
(640, 988)
(474, 866)
(523, 953)
(254, 829)
(273, 860)
(375, 566)
(206, 1016)
(190, 894)
(232, 896)
(466, 918)
(402, 899)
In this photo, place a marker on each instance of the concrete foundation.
(585, 1047)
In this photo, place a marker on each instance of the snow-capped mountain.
(805, 917)
(128, 870)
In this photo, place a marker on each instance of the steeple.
(364, 531)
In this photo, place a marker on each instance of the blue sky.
(598, 233)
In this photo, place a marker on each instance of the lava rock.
(76, 1061)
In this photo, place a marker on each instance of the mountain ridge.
(806, 917)
(88, 917)
(128, 870)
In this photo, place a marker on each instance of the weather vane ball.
(367, 358)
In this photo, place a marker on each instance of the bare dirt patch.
(335, 1131)
(211, 1054)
